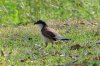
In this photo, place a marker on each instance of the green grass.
(17, 12)
(23, 46)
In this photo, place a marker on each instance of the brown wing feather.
(49, 34)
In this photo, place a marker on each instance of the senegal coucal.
(49, 35)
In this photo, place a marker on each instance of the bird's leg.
(52, 43)
(46, 43)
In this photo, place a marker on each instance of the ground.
(23, 46)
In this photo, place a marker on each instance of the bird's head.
(41, 24)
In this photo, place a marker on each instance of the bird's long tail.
(65, 39)
(62, 38)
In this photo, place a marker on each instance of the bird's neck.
(41, 27)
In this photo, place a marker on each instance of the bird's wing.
(57, 35)
(49, 33)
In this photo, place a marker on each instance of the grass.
(18, 12)
(22, 45)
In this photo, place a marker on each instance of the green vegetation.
(15, 12)
(20, 41)
(22, 46)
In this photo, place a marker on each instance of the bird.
(48, 34)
